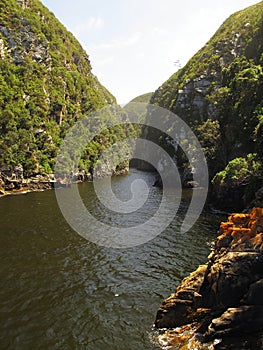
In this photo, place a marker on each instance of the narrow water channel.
(60, 291)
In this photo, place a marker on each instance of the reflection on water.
(59, 291)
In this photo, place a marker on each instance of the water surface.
(59, 291)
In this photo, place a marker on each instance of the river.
(60, 291)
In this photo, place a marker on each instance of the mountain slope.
(219, 93)
(46, 85)
(186, 91)
(145, 98)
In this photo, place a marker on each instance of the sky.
(136, 45)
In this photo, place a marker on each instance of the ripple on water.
(59, 291)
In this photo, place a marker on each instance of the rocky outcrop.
(223, 299)
(15, 182)
(192, 96)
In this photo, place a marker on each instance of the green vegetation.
(239, 171)
(136, 110)
(241, 177)
(145, 98)
(219, 93)
(239, 103)
(46, 85)
(242, 31)
(210, 137)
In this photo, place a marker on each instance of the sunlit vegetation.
(46, 86)
(230, 126)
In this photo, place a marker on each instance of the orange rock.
(256, 222)
(253, 225)
(260, 226)
(257, 241)
(225, 226)
(238, 233)
(239, 220)
(256, 213)
(222, 284)
(241, 228)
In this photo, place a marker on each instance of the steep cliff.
(188, 92)
(46, 85)
(219, 93)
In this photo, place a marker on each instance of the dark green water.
(59, 291)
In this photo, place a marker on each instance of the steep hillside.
(219, 93)
(188, 90)
(46, 85)
(145, 98)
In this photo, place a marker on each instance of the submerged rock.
(225, 296)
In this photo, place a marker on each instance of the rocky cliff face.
(187, 91)
(46, 85)
(219, 94)
(221, 303)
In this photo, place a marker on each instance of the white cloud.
(92, 24)
(105, 61)
(118, 43)
(133, 44)
(95, 23)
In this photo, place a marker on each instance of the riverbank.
(19, 185)
(221, 303)
(14, 185)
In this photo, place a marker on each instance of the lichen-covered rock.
(225, 296)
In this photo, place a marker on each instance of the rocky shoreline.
(15, 183)
(220, 305)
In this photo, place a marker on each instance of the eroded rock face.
(193, 94)
(24, 44)
(225, 296)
